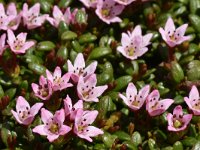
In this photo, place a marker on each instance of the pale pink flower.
(9, 19)
(156, 107)
(79, 68)
(72, 110)
(31, 17)
(134, 99)
(44, 89)
(134, 44)
(87, 89)
(178, 121)
(53, 126)
(2, 43)
(89, 3)
(58, 16)
(24, 114)
(193, 101)
(18, 44)
(124, 2)
(58, 81)
(173, 36)
(107, 11)
(82, 124)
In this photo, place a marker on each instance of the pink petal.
(98, 91)
(169, 26)
(188, 102)
(125, 39)
(79, 61)
(35, 87)
(78, 105)
(170, 119)
(181, 30)
(178, 111)
(21, 103)
(70, 66)
(187, 118)
(57, 13)
(11, 37)
(11, 10)
(35, 9)
(131, 90)
(194, 93)
(28, 120)
(42, 80)
(27, 45)
(64, 130)
(146, 39)
(140, 52)
(16, 116)
(143, 93)
(93, 131)
(45, 115)
(57, 72)
(137, 31)
(40, 130)
(2, 10)
(89, 116)
(67, 105)
(49, 75)
(60, 115)
(90, 69)
(53, 137)
(35, 108)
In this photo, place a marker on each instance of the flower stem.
(171, 56)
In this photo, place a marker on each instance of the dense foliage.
(100, 74)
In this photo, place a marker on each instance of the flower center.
(105, 12)
(154, 106)
(196, 106)
(12, 23)
(43, 91)
(54, 128)
(177, 123)
(86, 94)
(24, 114)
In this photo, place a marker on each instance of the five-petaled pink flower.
(2, 43)
(10, 19)
(89, 3)
(87, 89)
(173, 36)
(79, 68)
(178, 121)
(53, 126)
(124, 2)
(134, 44)
(193, 101)
(156, 107)
(24, 114)
(58, 16)
(82, 124)
(31, 17)
(58, 81)
(107, 11)
(18, 44)
(134, 99)
(72, 110)
(44, 89)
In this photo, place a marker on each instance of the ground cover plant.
(100, 74)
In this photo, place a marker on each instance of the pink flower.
(79, 68)
(10, 19)
(193, 101)
(2, 43)
(58, 82)
(88, 91)
(58, 16)
(133, 99)
(156, 107)
(24, 114)
(124, 2)
(31, 17)
(82, 123)
(178, 121)
(18, 44)
(53, 126)
(134, 44)
(89, 3)
(173, 36)
(107, 11)
(44, 89)
(72, 110)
